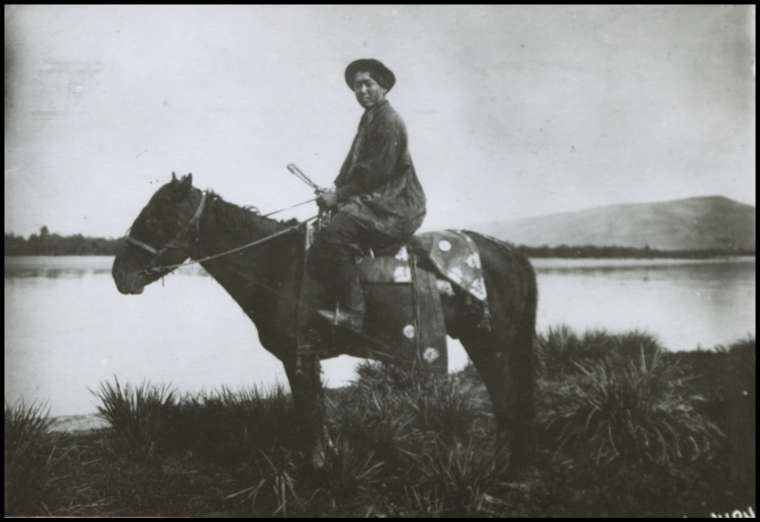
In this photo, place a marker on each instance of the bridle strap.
(198, 211)
(196, 220)
(142, 245)
(171, 244)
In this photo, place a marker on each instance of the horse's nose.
(126, 282)
(120, 278)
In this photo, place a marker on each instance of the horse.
(182, 222)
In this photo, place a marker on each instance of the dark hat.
(379, 72)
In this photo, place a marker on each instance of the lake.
(67, 328)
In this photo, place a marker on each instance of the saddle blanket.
(452, 252)
(455, 255)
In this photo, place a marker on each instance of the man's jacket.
(377, 183)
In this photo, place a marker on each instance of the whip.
(293, 168)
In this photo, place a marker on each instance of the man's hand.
(327, 199)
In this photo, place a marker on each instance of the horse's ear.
(174, 177)
(187, 181)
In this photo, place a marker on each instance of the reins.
(288, 208)
(195, 220)
(231, 250)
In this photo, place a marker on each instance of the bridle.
(195, 220)
(178, 242)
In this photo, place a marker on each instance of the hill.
(700, 223)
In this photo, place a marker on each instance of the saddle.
(405, 293)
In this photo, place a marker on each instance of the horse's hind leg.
(490, 360)
(509, 385)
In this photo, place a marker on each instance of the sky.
(512, 111)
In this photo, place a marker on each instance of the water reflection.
(51, 273)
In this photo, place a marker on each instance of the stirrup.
(351, 320)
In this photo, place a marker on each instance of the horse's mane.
(244, 218)
(240, 220)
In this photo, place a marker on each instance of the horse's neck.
(254, 277)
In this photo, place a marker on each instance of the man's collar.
(379, 104)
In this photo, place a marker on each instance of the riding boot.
(308, 340)
(350, 311)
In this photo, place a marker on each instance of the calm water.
(67, 328)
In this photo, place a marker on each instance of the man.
(378, 201)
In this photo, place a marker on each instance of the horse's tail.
(524, 358)
(526, 337)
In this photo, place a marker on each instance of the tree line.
(47, 244)
(593, 251)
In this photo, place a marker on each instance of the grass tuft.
(561, 348)
(27, 457)
(140, 417)
(633, 413)
(229, 425)
(456, 477)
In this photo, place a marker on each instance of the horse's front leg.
(306, 386)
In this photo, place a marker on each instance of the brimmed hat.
(379, 72)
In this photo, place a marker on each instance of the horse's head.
(163, 234)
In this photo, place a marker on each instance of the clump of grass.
(402, 428)
(392, 411)
(448, 476)
(742, 360)
(351, 472)
(628, 413)
(141, 418)
(389, 379)
(741, 415)
(374, 417)
(227, 426)
(560, 348)
(438, 403)
(275, 490)
(27, 457)
(444, 409)
(456, 477)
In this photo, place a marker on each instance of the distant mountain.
(701, 223)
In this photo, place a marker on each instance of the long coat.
(377, 183)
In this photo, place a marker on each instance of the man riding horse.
(378, 202)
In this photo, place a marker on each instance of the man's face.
(368, 92)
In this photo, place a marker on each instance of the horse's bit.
(174, 243)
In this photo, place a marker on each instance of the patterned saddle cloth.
(452, 252)
(404, 301)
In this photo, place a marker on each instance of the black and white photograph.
(379, 260)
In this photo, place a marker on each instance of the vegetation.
(47, 244)
(623, 427)
(27, 456)
(594, 251)
(139, 417)
(631, 413)
(561, 349)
